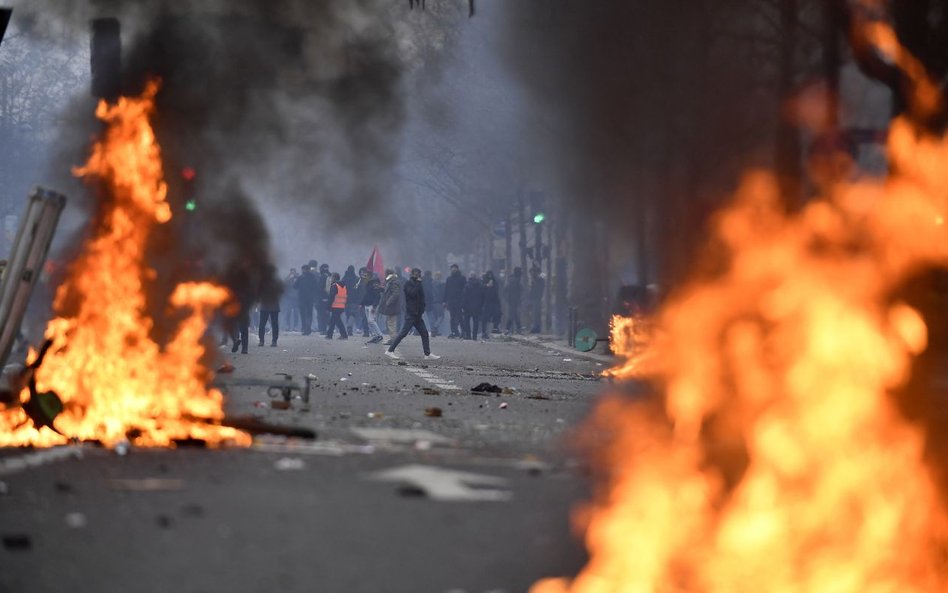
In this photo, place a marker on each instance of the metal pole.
(26, 263)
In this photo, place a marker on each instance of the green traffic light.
(190, 205)
(540, 217)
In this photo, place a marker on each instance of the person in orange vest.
(338, 295)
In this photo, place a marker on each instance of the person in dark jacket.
(353, 306)
(322, 299)
(271, 289)
(289, 305)
(491, 312)
(437, 304)
(473, 305)
(414, 316)
(240, 280)
(427, 283)
(537, 286)
(307, 286)
(370, 305)
(514, 295)
(338, 296)
(391, 304)
(454, 300)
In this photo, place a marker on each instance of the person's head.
(427, 274)
(437, 276)
(351, 270)
(472, 275)
(313, 264)
(293, 271)
(389, 272)
(305, 268)
(335, 276)
(416, 273)
(324, 268)
(518, 272)
(455, 269)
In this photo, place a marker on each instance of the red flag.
(375, 262)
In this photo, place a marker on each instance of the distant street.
(385, 499)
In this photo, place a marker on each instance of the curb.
(552, 345)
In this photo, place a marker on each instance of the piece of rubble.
(289, 464)
(430, 391)
(19, 542)
(279, 404)
(503, 405)
(433, 412)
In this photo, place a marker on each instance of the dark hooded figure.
(307, 286)
(322, 299)
(491, 313)
(514, 296)
(271, 289)
(473, 305)
(414, 316)
(454, 299)
(239, 278)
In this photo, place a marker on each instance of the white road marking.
(13, 465)
(433, 379)
(400, 435)
(446, 485)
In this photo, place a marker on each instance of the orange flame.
(776, 460)
(115, 381)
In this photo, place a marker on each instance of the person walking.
(391, 304)
(370, 303)
(514, 294)
(240, 281)
(454, 300)
(338, 295)
(491, 313)
(537, 284)
(290, 302)
(307, 288)
(414, 316)
(271, 289)
(473, 306)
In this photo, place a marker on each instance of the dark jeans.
(471, 323)
(322, 315)
(241, 332)
(416, 323)
(457, 318)
(274, 317)
(306, 317)
(437, 316)
(291, 316)
(513, 317)
(335, 320)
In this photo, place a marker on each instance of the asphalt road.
(385, 500)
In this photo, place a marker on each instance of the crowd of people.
(386, 308)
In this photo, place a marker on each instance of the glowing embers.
(775, 459)
(116, 382)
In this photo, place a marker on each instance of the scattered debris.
(567, 360)
(226, 368)
(375, 415)
(433, 412)
(164, 521)
(348, 374)
(508, 391)
(17, 542)
(430, 391)
(259, 404)
(468, 368)
(75, 520)
(412, 492)
(279, 404)
(402, 363)
(289, 464)
(423, 445)
(343, 379)
(486, 388)
(146, 485)
(122, 448)
(542, 397)
(503, 405)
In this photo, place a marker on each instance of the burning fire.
(776, 459)
(115, 380)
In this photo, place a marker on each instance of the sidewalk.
(599, 354)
